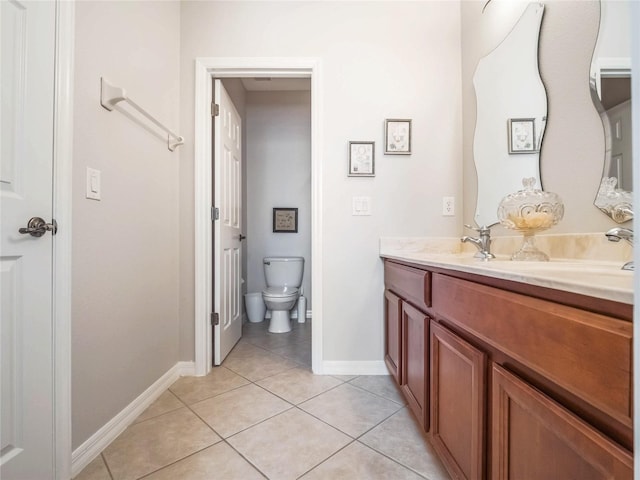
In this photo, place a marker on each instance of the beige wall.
(573, 147)
(125, 247)
(379, 60)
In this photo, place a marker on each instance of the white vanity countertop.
(593, 278)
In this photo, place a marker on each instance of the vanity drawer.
(585, 353)
(412, 284)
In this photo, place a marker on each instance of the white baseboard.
(186, 369)
(375, 367)
(90, 449)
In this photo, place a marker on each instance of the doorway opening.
(208, 69)
(273, 141)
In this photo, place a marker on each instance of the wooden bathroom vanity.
(512, 380)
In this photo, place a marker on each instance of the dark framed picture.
(361, 159)
(285, 220)
(522, 135)
(397, 136)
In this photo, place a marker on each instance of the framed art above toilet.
(285, 220)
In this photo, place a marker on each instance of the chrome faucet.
(618, 233)
(482, 242)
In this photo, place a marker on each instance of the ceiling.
(276, 84)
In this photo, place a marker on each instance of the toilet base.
(280, 321)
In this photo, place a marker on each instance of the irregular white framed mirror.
(511, 104)
(610, 84)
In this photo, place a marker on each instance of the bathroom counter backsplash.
(586, 264)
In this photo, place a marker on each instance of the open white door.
(227, 240)
(27, 41)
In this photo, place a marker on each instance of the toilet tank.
(283, 271)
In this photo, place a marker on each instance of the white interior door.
(27, 41)
(227, 242)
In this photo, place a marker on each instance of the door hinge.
(215, 213)
(215, 109)
(215, 319)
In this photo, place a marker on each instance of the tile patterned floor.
(263, 414)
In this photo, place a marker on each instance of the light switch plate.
(361, 206)
(93, 184)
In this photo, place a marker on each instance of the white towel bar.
(110, 96)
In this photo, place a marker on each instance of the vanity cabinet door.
(393, 337)
(533, 437)
(415, 337)
(458, 392)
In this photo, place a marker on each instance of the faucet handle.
(481, 230)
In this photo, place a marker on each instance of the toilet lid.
(280, 291)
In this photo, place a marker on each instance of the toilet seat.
(280, 292)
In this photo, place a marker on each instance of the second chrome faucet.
(618, 233)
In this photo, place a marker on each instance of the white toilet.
(284, 277)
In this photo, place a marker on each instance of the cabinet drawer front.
(534, 437)
(409, 283)
(585, 353)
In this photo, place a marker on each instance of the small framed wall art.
(522, 135)
(285, 220)
(397, 136)
(361, 159)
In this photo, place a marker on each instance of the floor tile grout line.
(295, 361)
(268, 376)
(394, 459)
(300, 342)
(258, 423)
(104, 460)
(287, 358)
(292, 405)
(391, 458)
(135, 422)
(207, 398)
(301, 402)
(272, 353)
(326, 459)
(179, 460)
(376, 394)
(250, 426)
(203, 421)
(356, 437)
(192, 453)
(326, 423)
(356, 440)
(379, 423)
(359, 439)
(175, 461)
(158, 415)
(246, 459)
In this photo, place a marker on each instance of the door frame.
(224, 67)
(62, 212)
(635, 117)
